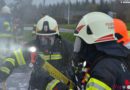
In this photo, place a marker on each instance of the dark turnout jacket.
(109, 70)
(58, 56)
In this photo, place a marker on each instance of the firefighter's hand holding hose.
(3, 85)
(2, 82)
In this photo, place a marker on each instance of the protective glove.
(39, 61)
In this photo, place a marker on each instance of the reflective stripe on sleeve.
(20, 57)
(11, 60)
(8, 25)
(95, 84)
(5, 69)
(52, 84)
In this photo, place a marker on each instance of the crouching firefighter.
(52, 49)
(106, 59)
(18, 58)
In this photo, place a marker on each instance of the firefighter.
(5, 27)
(96, 44)
(53, 49)
(121, 29)
(5, 33)
(18, 30)
(49, 47)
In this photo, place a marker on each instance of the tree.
(24, 10)
(2, 3)
(104, 6)
(121, 10)
(93, 2)
(86, 2)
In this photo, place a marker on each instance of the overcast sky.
(58, 1)
(37, 2)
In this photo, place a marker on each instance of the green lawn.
(69, 26)
(67, 35)
(27, 35)
(129, 32)
(128, 26)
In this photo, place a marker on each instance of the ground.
(19, 79)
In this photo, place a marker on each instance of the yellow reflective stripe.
(44, 55)
(11, 60)
(56, 55)
(33, 32)
(22, 57)
(5, 35)
(97, 84)
(19, 57)
(5, 69)
(87, 77)
(52, 84)
(8, 29)
(53, 57)
(93, 88)
(7, 24)
(34, 25)
(56, 58)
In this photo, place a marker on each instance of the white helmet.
(96, 27)
(6, 10)
(47, 26)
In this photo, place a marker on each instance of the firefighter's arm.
(52, 71)
(103, 76)
(6, 69)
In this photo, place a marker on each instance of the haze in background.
(37, 2)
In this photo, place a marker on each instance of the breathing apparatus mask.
(86, 51)
(46, 42)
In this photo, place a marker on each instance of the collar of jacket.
(112, 48)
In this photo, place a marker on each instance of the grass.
(66, 35)
(69, 26)
(129, 33)
(128, 26)
(27, 35)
